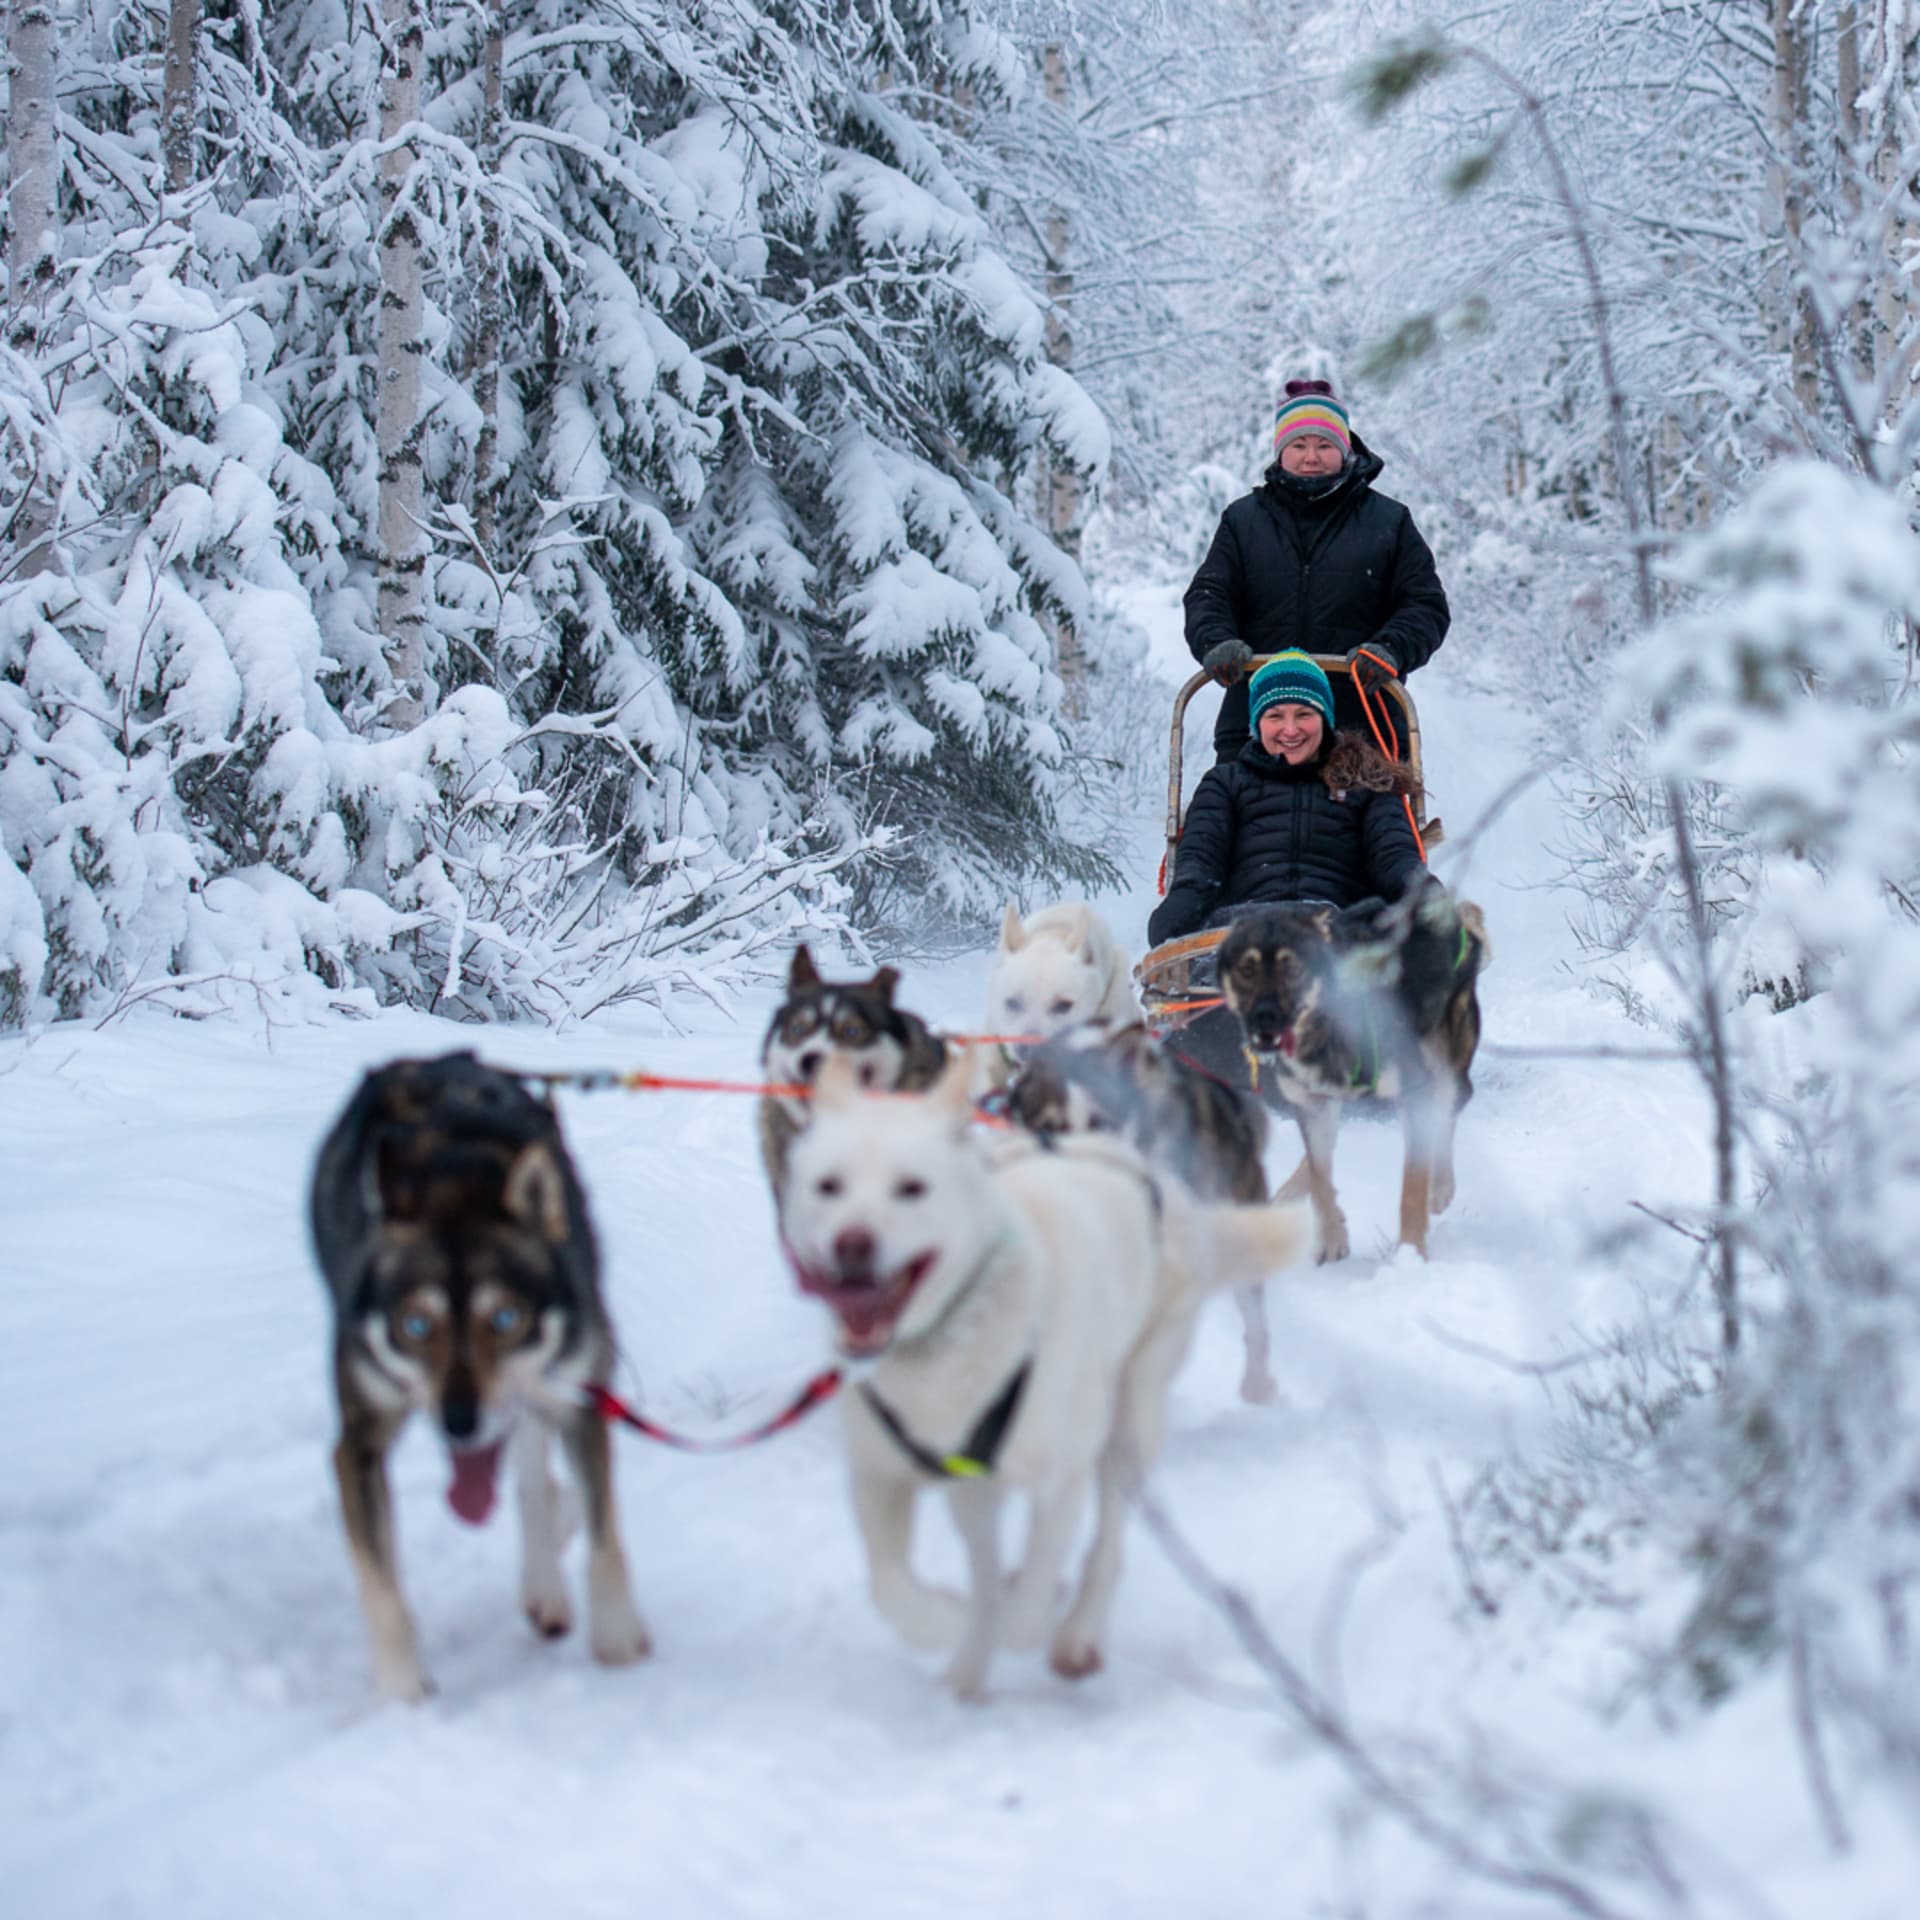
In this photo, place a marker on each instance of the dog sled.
(1178, 972)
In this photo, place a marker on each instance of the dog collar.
(976, 1454)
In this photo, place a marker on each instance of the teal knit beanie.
(1294, 677)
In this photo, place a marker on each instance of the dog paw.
(1259, 1389)
(549, 1612)
(928, 1619)
(401, 1680)
(1029, 1618)
(618, 1637)
(968, 1681)
(1073, 1659)
(1336, 1246)
(1440, 1193)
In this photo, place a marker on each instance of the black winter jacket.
(1324, 573)
(1260, 830)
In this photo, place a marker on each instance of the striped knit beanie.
(1309, 407)
(1291, 676)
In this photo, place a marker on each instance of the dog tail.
(1248, 1243)
(1475, 923)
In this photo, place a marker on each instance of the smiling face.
(1291, 732)
(885, 1208)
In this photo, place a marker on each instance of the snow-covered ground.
(186, 1722)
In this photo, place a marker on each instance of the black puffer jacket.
(1322, 572)
(1261, 830)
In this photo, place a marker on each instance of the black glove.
(1226, 660)
(1373, 666)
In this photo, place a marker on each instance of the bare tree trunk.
(176, 115)
(33, 154)
(1857, 323)
(403, 546)
(493, 288)
(33, 160)
(1062, 491)
(1795, 329)
(1891, 136)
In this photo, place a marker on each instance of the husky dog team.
(1009, 1302)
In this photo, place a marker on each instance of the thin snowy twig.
(1337, 1736)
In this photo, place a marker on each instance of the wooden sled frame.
(1163, 974)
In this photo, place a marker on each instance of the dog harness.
(976, 1454)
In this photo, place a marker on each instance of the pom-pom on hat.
(1309, 407)
(1290, 677)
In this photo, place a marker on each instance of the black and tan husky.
(1375, 1000)
(891, 1050)
(1179, 1114)
(454, 1240)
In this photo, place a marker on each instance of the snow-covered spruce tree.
(756, 570)
(755, 394)
(166, 648)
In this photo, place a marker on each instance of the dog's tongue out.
(475, 1471)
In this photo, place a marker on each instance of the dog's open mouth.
(867, 1306)
(1272, 1040)
(476, 1476)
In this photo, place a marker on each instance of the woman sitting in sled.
(1300, 813)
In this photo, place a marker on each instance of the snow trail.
(186, 1721)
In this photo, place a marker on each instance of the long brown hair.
(1356, 762)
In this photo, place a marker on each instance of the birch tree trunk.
(33, 160)
(1890, 133)
(1062, 501)
(33, 155)
(1795, 324)
(400, 347)
(493, 289)
(177, 117)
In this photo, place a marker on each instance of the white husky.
(1025, 1311)
(1058, 970)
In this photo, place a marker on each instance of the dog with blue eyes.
(453, 1237)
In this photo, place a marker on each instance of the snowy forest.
(513, 512)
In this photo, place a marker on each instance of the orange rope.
(1386, 740)
(1187, 1006)
(601, 1080)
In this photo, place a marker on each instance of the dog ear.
(803, 973)
(838, 1086)
(535, 1192)
(1322, 917)
(1013, 930)
(884, 982)
(1080, 932)
(385, 1191)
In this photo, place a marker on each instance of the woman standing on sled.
(1299, 813)
(1313, 558)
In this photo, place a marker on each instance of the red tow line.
(817, 1392)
